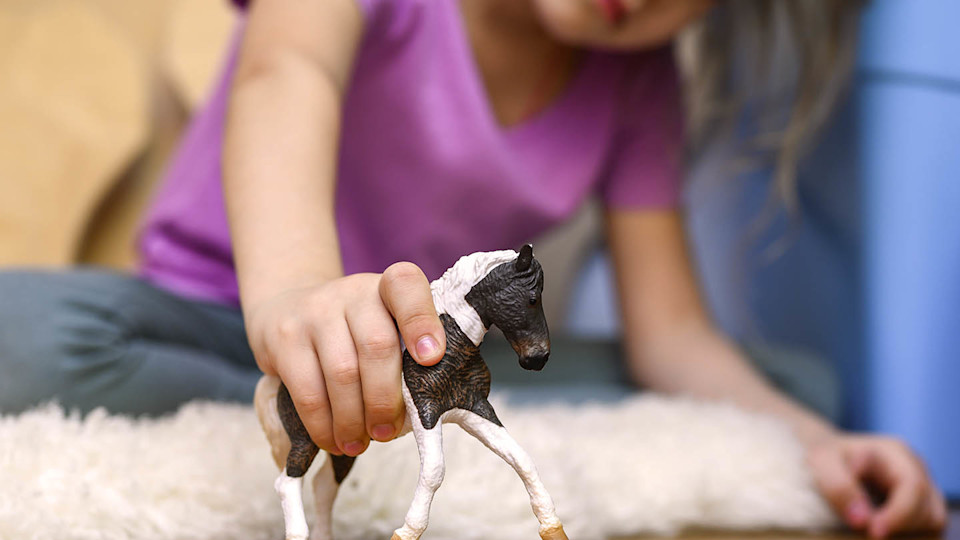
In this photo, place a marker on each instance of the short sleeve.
(644, 169)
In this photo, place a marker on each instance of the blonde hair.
(788, 59)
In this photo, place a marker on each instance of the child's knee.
(53, 336)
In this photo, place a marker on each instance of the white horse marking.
(498, 440)
(450, 290)
(430, 447)
(291, 500)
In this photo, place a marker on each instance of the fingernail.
(858, 512)
(383, 432)
(427, 348)
(353, 448)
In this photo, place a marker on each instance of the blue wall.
(909, 109)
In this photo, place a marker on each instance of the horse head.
(509, 297)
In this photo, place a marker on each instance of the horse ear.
(525, 258)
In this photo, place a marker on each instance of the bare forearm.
(280, 148)
(672, 345)
(279, 166)
(697, 361)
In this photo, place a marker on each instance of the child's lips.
(615, 11)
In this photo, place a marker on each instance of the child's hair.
(776, 67)
(789, 60)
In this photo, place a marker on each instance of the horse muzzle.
(534, 362)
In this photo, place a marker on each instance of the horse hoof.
(553, 533)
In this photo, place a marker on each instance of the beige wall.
(93, 95)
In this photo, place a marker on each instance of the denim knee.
(57, 331)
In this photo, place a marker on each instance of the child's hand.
(842, 464)
(336, 348)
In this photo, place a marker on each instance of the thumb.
(405, 292)
(839, 483)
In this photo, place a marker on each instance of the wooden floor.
(952, 533)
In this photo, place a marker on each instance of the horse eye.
(533, 301)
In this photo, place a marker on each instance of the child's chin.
(612, 41)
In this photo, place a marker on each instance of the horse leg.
(496, 438)
(430, 447)
(289, 484)
(325, 486)
(266, 401)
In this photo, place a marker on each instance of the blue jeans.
(88, 338)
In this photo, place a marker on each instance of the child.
(359, 133)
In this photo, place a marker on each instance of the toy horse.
(499, 288)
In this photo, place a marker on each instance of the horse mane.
(449, 291)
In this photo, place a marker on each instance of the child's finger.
(907, 485)
(378, 354)
(898, 513)
(300, 372)
(405, 292)
(937, 509)
(338, 358)
(841, 487)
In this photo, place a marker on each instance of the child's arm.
(281, 139)
(331, 338)
(674, 347)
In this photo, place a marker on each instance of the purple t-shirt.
(425, 172)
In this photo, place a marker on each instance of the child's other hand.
(336, 348)
(843, 464)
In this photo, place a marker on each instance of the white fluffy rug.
(649, 464)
